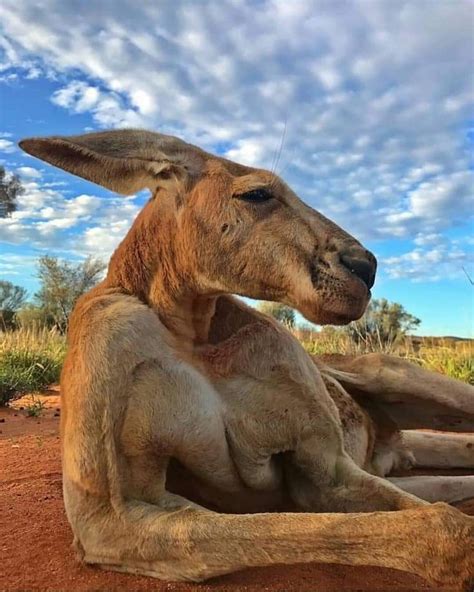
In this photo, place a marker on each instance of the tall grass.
(455, 360)
(448, 356)
(30, 360)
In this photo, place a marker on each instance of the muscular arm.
(411, 396)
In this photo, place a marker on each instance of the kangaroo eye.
(256, 195)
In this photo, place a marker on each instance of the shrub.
(280, 312)
(383, 322)
(29, 361)
(32, 317)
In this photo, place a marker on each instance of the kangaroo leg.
(176, 540)
(439, 488)
(413, 397)
(440, 451)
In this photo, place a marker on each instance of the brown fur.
(166, 369)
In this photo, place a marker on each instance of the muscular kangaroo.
(166, 366)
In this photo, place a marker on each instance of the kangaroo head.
(221, 227)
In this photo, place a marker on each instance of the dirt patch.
(15, 422)
(35, 539)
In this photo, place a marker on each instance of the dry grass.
(455, 360)
(452, 357)
(30, 360)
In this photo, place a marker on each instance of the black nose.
(361, 263)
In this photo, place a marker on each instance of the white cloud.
(430, 238)
(444, 198)
(7, 146)
(47, 219)
(15, 265)
(376, 102)
(28, 172)
(433, 258)
(249, 151)
(107, 108)
(77, 96)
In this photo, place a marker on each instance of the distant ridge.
(438, 338)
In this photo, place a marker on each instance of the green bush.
(454, 362)
(29, 362)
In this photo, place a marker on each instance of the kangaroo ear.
(124, 161)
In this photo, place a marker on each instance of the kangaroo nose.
(361, 263)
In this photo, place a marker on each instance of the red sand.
(35, 539)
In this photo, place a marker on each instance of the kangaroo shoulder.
(116, 327)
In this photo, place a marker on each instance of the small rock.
(2, 420)
(56, 415)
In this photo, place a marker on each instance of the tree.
(280, 312)
(62, 283)
(10, 188)
(11, 299)
(31, 316)
(383, 322)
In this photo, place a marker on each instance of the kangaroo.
(172, 384)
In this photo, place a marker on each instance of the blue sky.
(375, 97)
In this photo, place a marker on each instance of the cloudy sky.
(373, 99)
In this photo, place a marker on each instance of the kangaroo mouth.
(355, 282)
(341, 294)
(340, 277)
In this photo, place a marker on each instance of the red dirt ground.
(35, 539)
